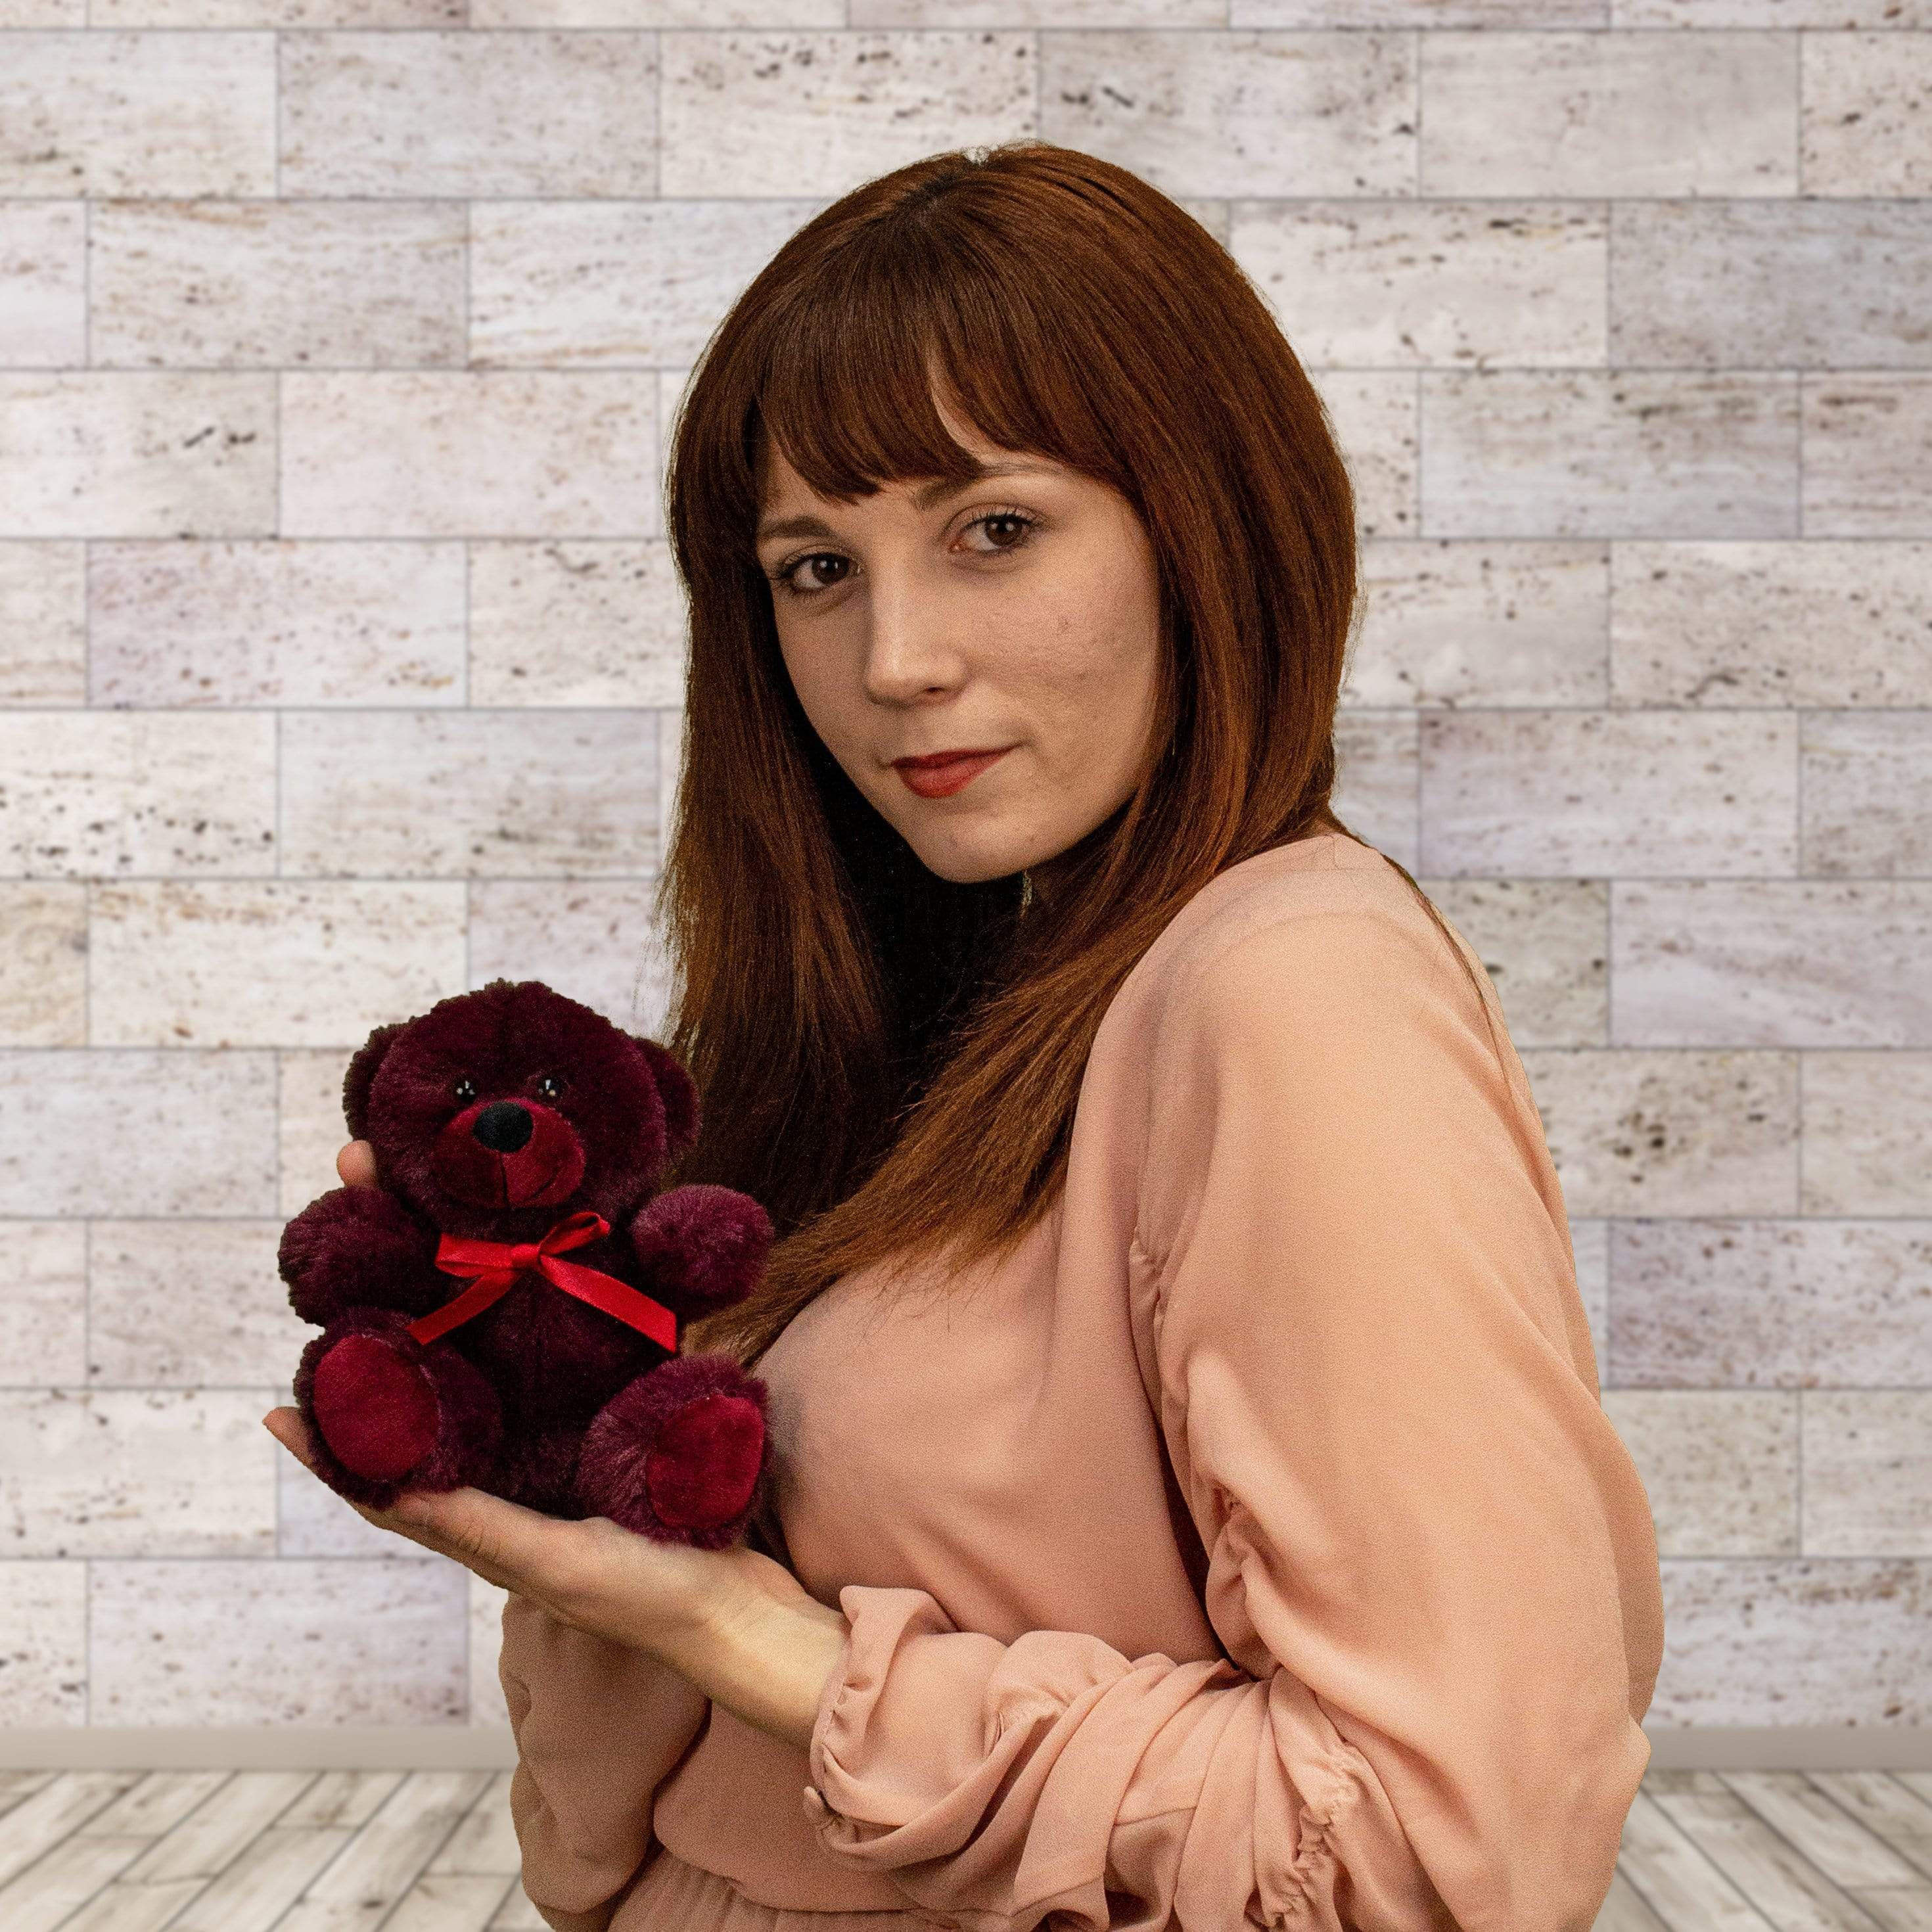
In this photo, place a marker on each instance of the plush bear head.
(497, 1111)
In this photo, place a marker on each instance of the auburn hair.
(889, 1061)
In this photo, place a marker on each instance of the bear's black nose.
(503, 1127)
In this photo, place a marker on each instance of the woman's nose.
(908, 651)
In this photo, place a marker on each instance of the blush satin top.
(1251, 1548)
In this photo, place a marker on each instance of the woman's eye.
(466, 1089)
(1020, 526)
(784, 577)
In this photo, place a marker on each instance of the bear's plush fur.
(495, 1116)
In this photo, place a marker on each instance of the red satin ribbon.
(495, 1266)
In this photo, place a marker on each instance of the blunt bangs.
(847, 395)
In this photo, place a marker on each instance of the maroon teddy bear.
(504, 1309)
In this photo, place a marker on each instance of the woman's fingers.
(356, 1164)
(591, 1574)
(288, 1427)
(509, 1546)
(501, 1539)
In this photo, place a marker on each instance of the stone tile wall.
(339, 663)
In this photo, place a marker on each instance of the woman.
(1205, 1515)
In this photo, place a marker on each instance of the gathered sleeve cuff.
(1431, 1561)
(1000, 1784)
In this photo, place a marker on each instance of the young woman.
(1193, 1504)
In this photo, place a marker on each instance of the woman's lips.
(937, 781)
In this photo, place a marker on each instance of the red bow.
(495, 1265)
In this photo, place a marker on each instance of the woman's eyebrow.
(923, 498)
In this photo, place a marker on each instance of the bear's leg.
(676, 1455)
(388, 1413)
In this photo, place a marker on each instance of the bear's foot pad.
(703, 1467)
(377, 1412)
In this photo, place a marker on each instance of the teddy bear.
(504, 1308)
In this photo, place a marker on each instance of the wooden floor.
(433, 1851)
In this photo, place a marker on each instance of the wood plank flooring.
(433, 1851)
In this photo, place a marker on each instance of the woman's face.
(1020, 612)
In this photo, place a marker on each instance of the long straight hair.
(889, 1061)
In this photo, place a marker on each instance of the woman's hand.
(664, 1599)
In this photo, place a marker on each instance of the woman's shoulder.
(1251, 954)
(1289, 896)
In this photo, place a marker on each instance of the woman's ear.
(679, 1092)
(361, 1076)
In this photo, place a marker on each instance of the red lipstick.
(944, 773)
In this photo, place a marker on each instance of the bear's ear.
(361, 1076)
(679, 1092)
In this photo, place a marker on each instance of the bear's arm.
(359, 1247)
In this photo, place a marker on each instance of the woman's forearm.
(770, 1669)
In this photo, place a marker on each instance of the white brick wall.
(335, 342)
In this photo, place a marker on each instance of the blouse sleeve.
(1431, 1561)
(599, 1726)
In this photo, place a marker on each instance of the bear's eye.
(548, 1085)
(466, 1089)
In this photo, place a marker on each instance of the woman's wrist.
(769, 1666)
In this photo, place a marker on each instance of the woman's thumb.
(356, 1164)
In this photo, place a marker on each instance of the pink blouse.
(1372, 1654)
